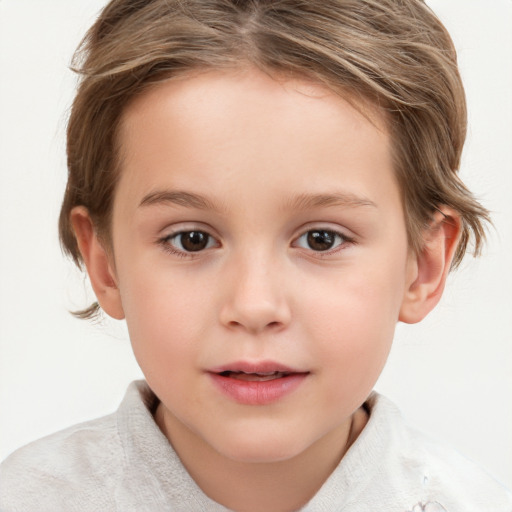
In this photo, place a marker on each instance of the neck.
(284, 485)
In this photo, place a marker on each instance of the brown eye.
(320, 240)
(191, 241)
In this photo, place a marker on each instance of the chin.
(261, 449)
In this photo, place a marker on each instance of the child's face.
(258, 227)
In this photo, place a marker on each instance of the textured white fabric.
(122, 462)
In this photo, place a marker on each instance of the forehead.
(249, 127)
(212, 92)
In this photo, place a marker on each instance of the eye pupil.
(321, 240)
(194, 240)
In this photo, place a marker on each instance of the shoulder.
(118, 462)
(85, 467)
(433, 471)
(69, 463)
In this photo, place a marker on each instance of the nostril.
(255, 315)
(254, 326)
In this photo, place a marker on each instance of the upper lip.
(258, 367)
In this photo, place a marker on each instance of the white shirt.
(122, 462)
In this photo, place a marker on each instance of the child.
(262, 189)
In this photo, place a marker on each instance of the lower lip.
(258, 392)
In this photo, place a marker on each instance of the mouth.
(254, 377)
(258, 383)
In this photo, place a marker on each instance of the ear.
(428, 270)
(97, 261)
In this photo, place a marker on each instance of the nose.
(255, 298)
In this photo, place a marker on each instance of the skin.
(271, 161)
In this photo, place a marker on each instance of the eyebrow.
(301, 202)
(337, 199)
(180, 198)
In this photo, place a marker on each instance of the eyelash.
(344, 241)
(165, 243)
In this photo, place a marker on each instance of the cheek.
(354, 333)
(351, 350)
(359, 300)
(352, 322)
(165, 318)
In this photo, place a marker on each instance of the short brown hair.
(394, 53)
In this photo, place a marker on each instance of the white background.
(450, 375)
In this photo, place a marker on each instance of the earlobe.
(428, 270)
(98, 264)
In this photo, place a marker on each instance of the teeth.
(263, 376)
